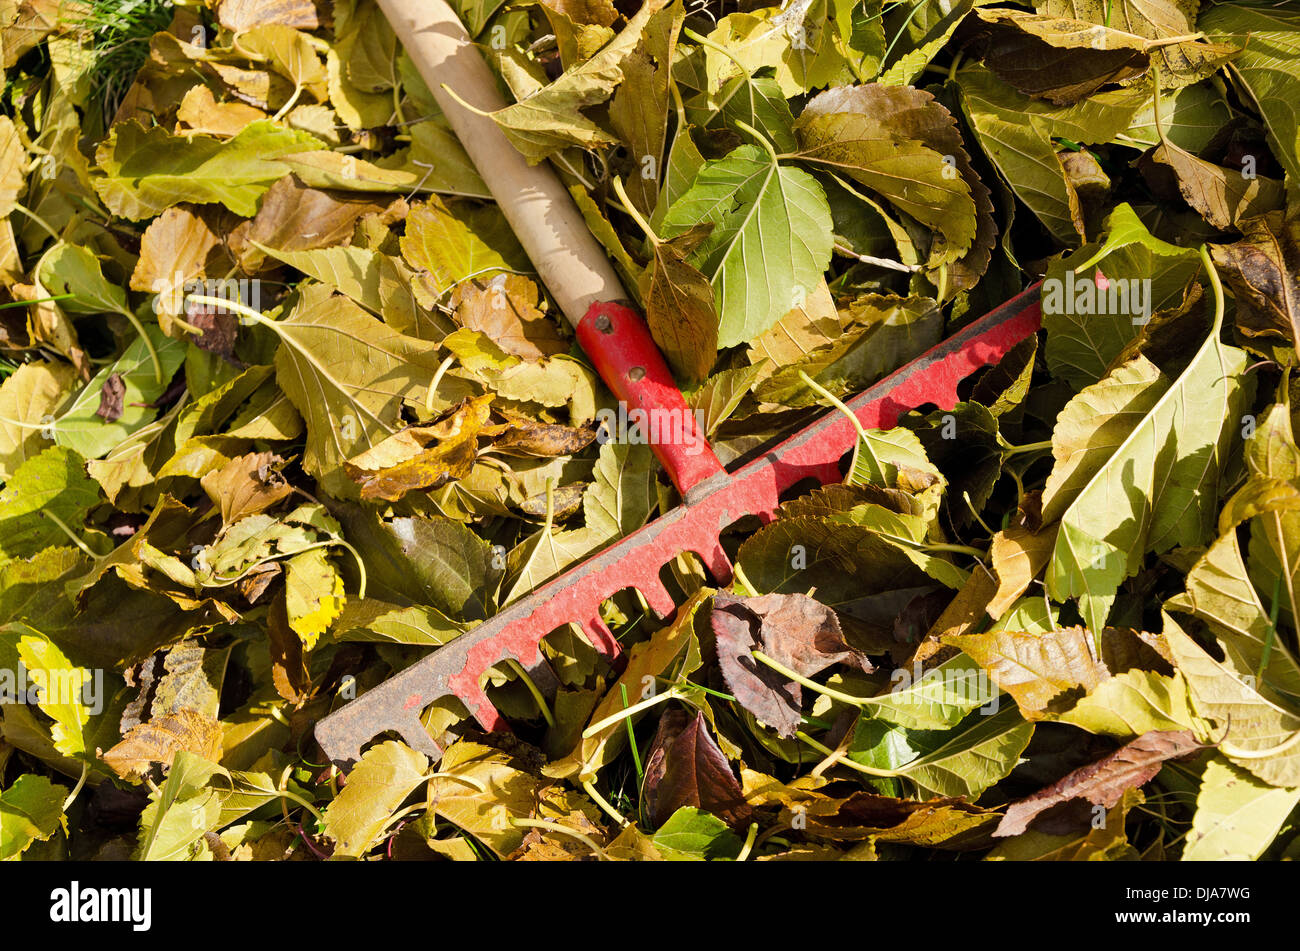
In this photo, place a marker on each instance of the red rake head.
(576, 596)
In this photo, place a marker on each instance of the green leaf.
(803, 44)
(893, 160)
(348, 375)
(1189, 117)
(377, 785)
(1083, 336)
(884, 453)
(79, 427)
(1237, 817)
(770, 243)
(381, 621)
(31, 810)
(72, 269)
(434, 561)
(28, 399)
(1136, 702)
(1016, 134)
(53, 485)
(1220, 593)
(551, 118)
(972, 757)
(884, 333)
(916, 34)
(934, 699)
(444, 249)
(149, 170)
(1265, 67)
(173, 824)
(1148, 493)
(1254, 731)
(692, 834)
(377, 282)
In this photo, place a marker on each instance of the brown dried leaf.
(246, 485)
(679, 307)
(526, 437)
(1104, 782)
(1037, 667)
(295, 217)
(792, 629)
(111, 395)
(177, 247)
(159, 740)
(1018, 556)
(288, 659)
(201, 113)
(1222, 196)
(504, 308)
(685, 767)
(1058, 58)
(218, 329)
(239, 15)
(1263, 272)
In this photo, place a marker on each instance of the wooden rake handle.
(547, 223)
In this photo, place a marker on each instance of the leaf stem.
(630, 210)
(1236, 752)
(1216, 285)
(671, 693)
(1010, 450)
(750, 836)
(532, 689)
(67, 531)
(810, 684)
(762, 139)
(563, 830)
(843, 760)
(38, 219)
(717, 48)
(852, 417)
(148, 344)
(631, 738)
(605, 805)
(234, 307)
(443, 367)
(878, 262)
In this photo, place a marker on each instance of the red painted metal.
(620, 347)
(711, 505)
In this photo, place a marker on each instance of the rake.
(615, 338)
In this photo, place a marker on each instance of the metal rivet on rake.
(635, 373)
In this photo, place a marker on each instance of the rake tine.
(718, 564)
(602, 638)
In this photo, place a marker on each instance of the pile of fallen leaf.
(284, 407)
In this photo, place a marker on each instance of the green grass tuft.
(120, 32)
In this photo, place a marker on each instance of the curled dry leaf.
(1104, 782)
